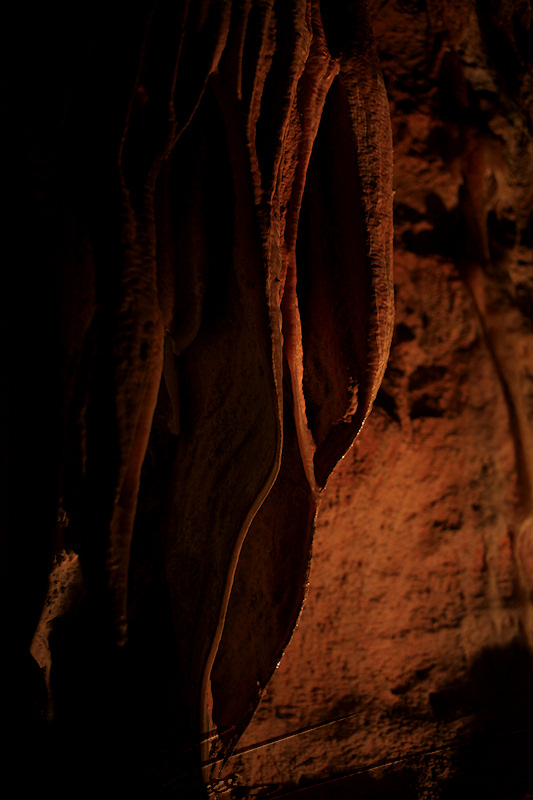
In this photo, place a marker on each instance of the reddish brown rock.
(410, 672)
(197, 255)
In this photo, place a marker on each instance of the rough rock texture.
(411, 671)
(198, 251)
(198, 311)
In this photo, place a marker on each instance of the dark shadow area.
(396, 784)
(425, 406)
(502, 236)
(387, 403)
(524, 300)
(498, 693)
(526, 239)
(509, 41)
(447, 235)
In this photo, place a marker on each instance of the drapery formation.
(200, 249)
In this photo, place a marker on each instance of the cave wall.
(410, 673)
(196, 322)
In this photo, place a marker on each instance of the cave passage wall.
(198, 314)
(410, 673)
(196, 320)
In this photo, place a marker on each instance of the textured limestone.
(417, 632)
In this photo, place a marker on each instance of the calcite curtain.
(197, 317)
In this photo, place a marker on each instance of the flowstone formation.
(198, 251)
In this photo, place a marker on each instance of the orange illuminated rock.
(410, 673)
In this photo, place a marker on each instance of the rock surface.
(198, 315)
(411, 673)
(199, 242)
